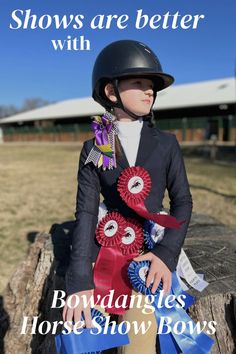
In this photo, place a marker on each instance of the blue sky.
(30, 67)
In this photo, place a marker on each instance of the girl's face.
(137, 95)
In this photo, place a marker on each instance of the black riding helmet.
(125, 59)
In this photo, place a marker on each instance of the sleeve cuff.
(79, 279)
(166, 256)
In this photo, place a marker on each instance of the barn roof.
(205, 93)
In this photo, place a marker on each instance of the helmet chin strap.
(119, 103)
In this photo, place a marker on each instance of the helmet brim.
(161, 80)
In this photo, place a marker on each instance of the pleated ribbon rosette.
(121, 240)
(134, 185)
(153, 233)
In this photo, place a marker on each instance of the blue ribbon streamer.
(177, 291)
(186, 342)
(88, 342)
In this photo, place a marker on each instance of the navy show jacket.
(159, 153)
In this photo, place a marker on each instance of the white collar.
(130, 129)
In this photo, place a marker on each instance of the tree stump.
(210, 246)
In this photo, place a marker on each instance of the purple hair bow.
(103, 152)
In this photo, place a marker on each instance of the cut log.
(210, 246)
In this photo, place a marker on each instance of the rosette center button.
(143, 272)
(110, 228)
(129, 236)
(135, 184)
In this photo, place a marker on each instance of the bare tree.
(6, 111)
(28, 105)
(32, 103)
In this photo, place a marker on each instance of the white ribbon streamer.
(186, 271)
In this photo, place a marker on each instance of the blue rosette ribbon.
(153, 233)
(173, 341)
(89, 341)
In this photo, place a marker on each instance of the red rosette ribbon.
(132, 241)
(120, 239)
(134, 185)
(110, 229)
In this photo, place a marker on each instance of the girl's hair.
(117, 147)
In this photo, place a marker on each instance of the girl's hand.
(158, 271)
(74, 313)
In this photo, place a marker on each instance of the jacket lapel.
(122, 160)
(148, 141)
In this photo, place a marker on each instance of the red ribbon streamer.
(110, 273)
(135, 200)
(161, 219)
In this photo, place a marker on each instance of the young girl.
(126, 78)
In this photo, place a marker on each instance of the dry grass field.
(38, 187)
